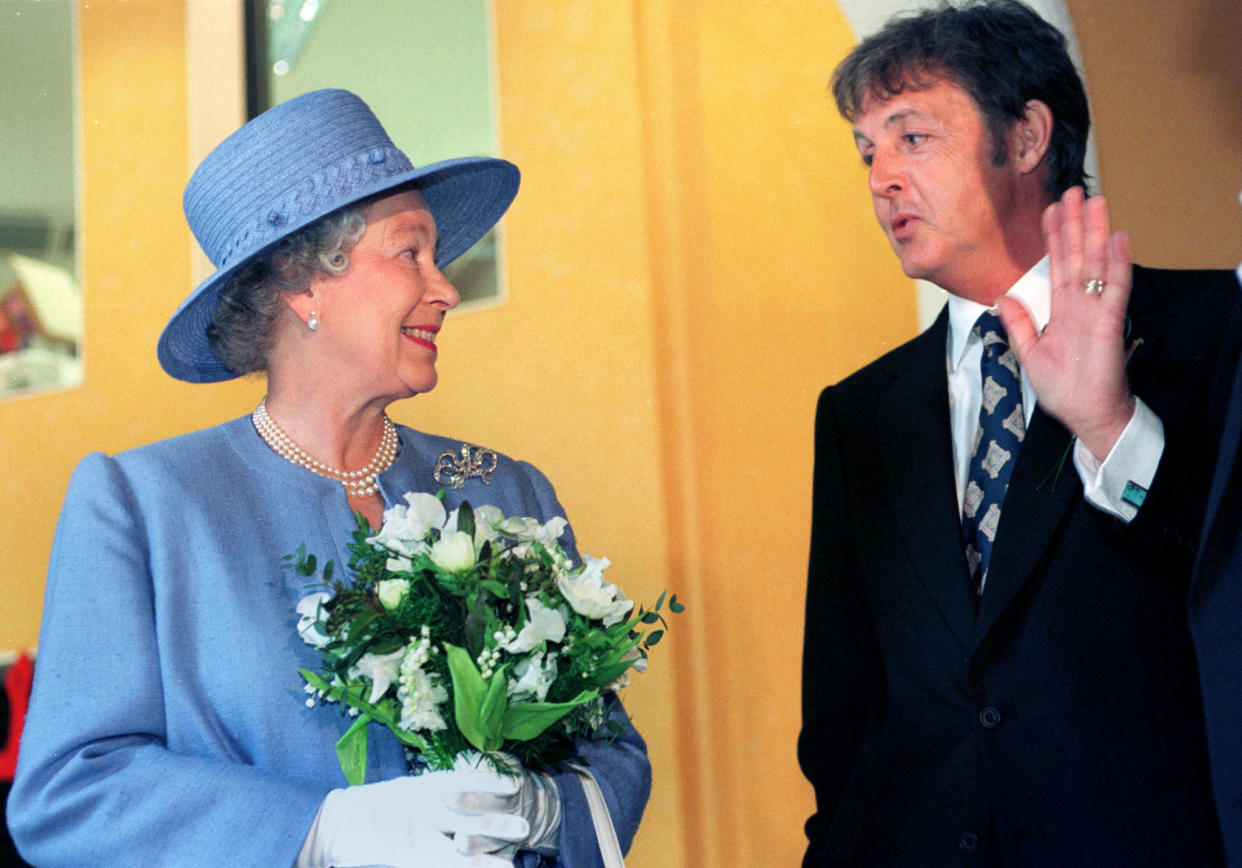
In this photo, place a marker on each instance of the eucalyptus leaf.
(653, 637)
(306, 565)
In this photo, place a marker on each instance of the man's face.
(945, 207)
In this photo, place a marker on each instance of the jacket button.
(968, 842)
(990, 717)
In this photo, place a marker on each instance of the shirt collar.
(1033, 289)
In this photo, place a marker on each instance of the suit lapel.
(918, 462)
(1034, 504)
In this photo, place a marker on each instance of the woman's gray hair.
(245, 316)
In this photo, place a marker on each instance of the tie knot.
(989, 329)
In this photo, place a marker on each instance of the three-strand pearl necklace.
(358, 483)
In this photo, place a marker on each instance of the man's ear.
(1031, 136)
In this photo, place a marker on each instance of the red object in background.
(18, 320)
(17, 687)
(10, 340)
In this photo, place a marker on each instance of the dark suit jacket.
(1216, 627)
(1058, 721)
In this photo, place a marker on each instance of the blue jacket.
(168, 724)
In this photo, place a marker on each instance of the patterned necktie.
(1001, 429)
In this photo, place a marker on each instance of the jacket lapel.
(918, 462)
(1035, 503)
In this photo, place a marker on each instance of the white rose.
(544, 624)
(455, 553)
(391, 592)
(310, 611)
(590, 595)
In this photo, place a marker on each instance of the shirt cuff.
(1119, 485)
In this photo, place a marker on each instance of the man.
(1216, 625)
(997, 664)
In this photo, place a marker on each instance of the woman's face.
(380, 319)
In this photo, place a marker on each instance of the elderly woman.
(167, 724)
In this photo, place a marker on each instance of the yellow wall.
(690, 259)
(1168, 118)
(134, 269)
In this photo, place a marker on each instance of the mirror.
(426, 72)
(40, 295)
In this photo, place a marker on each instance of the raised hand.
(1077, 365)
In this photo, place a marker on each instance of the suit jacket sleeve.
(841, 673)
(1200, 310)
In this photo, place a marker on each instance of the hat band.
(325, 191)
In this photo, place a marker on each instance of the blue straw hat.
(293, 164)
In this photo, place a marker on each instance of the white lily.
(486, 517)
(590, 595)
(310, 610)
(530, 530)
(544, 623)
(535, 675)
(406, 526)
(380, 668)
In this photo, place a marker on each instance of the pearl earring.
(312, 321)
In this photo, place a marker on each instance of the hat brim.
(466, 196)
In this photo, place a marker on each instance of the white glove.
(533, 797)
(411, 823)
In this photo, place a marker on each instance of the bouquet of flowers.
(468, 631)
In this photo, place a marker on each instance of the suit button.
(990, 717)
(968, 842)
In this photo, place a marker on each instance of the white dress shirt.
(1134, 458)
